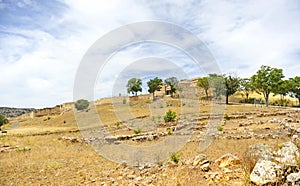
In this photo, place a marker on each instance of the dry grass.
(54, 162)
(49, 162)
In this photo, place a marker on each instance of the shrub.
(137, 131)
(81, 104)
(169, 132)
(226, 117)
(220, 128)
(117, 124)
(175, 157)
(170, 116)
(47, 118)
(3, 120)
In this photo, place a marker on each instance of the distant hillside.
(14, 112)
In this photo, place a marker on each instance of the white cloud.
(38, 65)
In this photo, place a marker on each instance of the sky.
(43, 43)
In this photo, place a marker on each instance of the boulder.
(264, 172)
(227, 160)
(260, 151)
(293, 179)
(288, 153)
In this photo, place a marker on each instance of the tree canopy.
(217, 82)
(81, 104)
(267, 80)
(173, 83)
(232, 84)
(154, 85)
(295, 87)
(246, 87)
(204, 83)
(134, 85)
(283, 88)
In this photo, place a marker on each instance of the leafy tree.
(134, 86)
(295, 87)
(3, 120)
(246, 87)
(154, 85)
(204, 83)
(81, 104)
(267, 80)
(173, 83)
(217, 82)
(232, 84)
(283, 88)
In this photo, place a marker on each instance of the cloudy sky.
(42, 43)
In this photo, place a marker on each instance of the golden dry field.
(41, 151)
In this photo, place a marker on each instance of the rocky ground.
(260, 164)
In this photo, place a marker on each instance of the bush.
(169, 131)
(3, 120)
(81, 104)
(137, 131)
(226, 117)
(220, 128)
(175, 157)
(250, 100)
(117, 124)
(170, 116)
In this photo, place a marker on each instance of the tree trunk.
(247, 97)
(267, 100)
(227, 99)
(153, 96)
(206, 93)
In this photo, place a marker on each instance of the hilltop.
(11, 112)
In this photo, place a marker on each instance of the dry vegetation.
(55, 162)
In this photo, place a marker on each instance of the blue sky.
(42, 42)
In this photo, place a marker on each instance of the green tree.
(283, 88)
(3, 120)
(173, 83)
(295, 87)
(134, 86)
(246, 87)
(204, 83)
(81, 104)
(267, 80)
(232, 84)
(154, 85)
(217, 82)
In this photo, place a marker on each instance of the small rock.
(294, 138)
(205, 166)
(198, 159)
(130, 176)
(264, 172)
(227, 160)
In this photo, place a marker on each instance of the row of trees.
(267, 80)
(134, 85)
